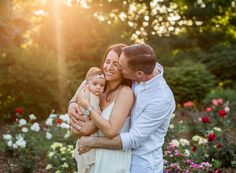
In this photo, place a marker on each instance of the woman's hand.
(83, 97)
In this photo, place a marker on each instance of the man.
(150, 116)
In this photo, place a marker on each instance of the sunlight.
(61, 67)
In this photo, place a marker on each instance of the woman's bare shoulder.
(126, 91)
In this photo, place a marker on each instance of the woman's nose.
(110, 66)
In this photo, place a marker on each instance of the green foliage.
(29, 80)
(220, 60)
(189, 81)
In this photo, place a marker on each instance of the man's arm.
(143, 127)
(146, 124)
(100, 142)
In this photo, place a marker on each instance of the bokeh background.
(47, 46)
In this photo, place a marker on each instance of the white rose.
(48, 135)
(32, 117)
(24, 129)
(56, 145)
(187, 152)
(63, 150)
(65, 126)
(22, 122)
(35, 127)
(49, 166)
(65, 165)
(7, 137)
(18, 136)
(196, 138)
(65, 118)
(67, 135)
(9, 143)
(175, 142)
(50, 154)
(171, 126)
(184, 142)
(52, 115)
(49, 122)
(217, 129)
(173, 116)
(21, 142)
(14, 146)
(227, 109)
(202, 141)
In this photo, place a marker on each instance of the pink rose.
(215, 102)
(220, 101)
(188, 104)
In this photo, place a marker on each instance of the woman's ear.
(140, 74)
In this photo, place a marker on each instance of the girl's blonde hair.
(94, 72)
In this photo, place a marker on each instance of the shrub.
(29, 79)
(220, 60)
(28, 141)
(189, 81)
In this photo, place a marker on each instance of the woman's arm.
(120, 112)
(88, 129)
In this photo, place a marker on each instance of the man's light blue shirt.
(150, 118)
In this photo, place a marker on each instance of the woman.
(116, 103)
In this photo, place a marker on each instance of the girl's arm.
(121, 110)
(89, 126)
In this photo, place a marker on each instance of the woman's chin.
(112, 78)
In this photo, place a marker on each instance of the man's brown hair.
(141, 57)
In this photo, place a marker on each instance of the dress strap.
(118, 92)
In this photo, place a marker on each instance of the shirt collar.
(149, 83)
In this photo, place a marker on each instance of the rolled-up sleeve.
(145, 124)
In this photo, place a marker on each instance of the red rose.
(222, 113)
(205, 119)
(211, 137)
(19, 111)
(194, 149)
(219, 145)
(58, 121)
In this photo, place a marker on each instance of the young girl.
(95, 82)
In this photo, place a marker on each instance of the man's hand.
(84, 144)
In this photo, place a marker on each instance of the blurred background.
(47, 46)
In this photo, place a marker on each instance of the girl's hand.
(83, 97)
